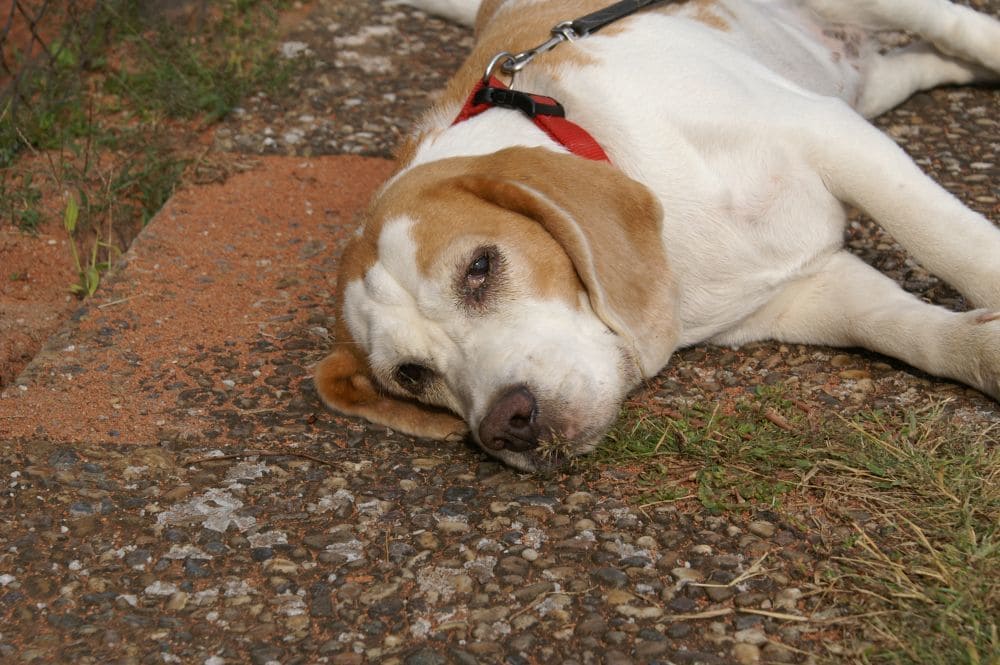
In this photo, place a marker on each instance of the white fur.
(753, 140)
(567, 355)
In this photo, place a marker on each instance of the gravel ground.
(425, 556)
(360, 545)
(372, 68)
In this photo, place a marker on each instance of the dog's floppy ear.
(344, 385)
(608, 224)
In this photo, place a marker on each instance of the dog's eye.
(413, 377)
(478, 270)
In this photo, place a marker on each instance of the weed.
(89, 272)
(204, 75)
(927, 584)
(740, 456)
(111, 117)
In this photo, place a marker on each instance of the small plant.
(89, 273)
(111, 117)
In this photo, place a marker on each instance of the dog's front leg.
(849, 303)
(865, 168)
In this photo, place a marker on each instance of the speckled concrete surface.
(172, 491)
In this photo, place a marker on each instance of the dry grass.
(918, 492)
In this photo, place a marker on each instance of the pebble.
(593, 624)
(777, 653)
(679, 630)
(633, 612)
(751, 636)
(719, 593)
(449, 526)
(425, 656)
(746, 654)
(762, 528)
(617, 597)
(687, 575)
(615, 657)
(178, 601)
(647, 650)
(787, 599)
(578, 501)
(610, 577)
(281, 566)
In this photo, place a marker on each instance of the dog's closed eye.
(413, 378)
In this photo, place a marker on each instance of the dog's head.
(518, 295)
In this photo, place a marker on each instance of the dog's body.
(525, 290)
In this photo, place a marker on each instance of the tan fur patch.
(581, 224)
(343, 384)
(432, 194)
(710, 12)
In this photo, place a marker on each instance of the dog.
(507, 285)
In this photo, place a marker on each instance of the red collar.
(545, 112)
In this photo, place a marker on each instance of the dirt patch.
(34, 293)
(214, 316)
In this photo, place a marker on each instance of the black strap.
(602, 17)
(530, 105)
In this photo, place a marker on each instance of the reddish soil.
(242, 267)
(34, 293)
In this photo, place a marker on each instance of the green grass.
(206, 76)
(112, 122)
(928, 586)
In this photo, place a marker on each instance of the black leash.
(567, 31)
(593, 22)
(545, 112)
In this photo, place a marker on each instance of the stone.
(177, 601)
(615, 657)
(646, 650)
(617, 597)
(687, 574)
(633, 612)
(610, 577)
(746, 654)
(594, 624)
(762, 528)
(787, 599)
(777, 653)
(719, 593)
(679, 630)
(753, 636)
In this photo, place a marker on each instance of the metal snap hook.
(501, 60)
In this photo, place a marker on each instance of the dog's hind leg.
(850, 304)
(890, 78)
(953, 29)
(863, 167)
(462, 12)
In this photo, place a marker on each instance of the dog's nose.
(511, 422)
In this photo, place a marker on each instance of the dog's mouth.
(552, 451)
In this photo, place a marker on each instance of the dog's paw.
(985, 351)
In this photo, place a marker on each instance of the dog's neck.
(484, 134)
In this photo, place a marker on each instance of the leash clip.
(511, 63)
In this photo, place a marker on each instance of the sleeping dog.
(678, 177)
